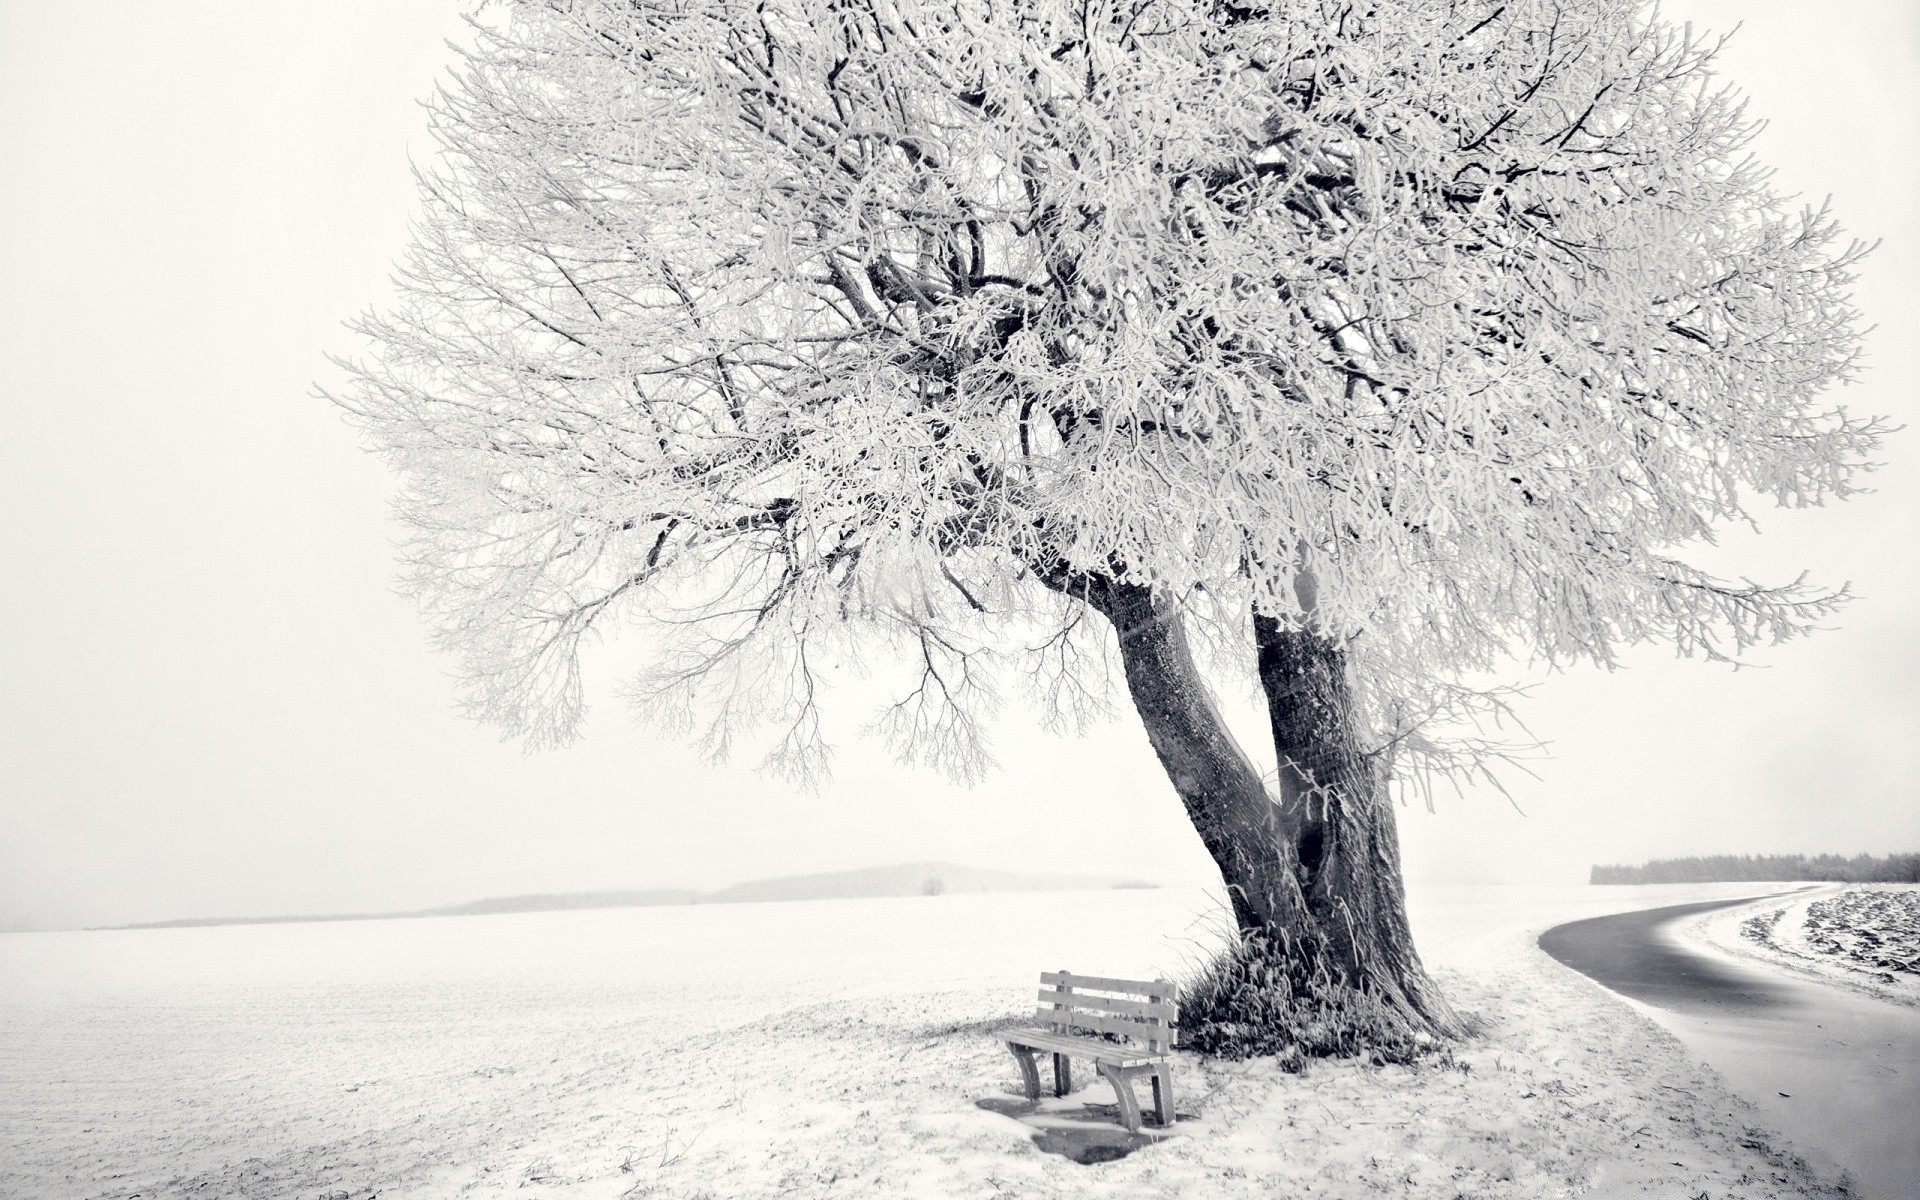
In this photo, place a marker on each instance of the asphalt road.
(1837, 1073)
(1627, 953)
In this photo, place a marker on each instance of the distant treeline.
(1767, 868)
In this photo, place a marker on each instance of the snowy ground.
(1865, 937)
(829, 1049)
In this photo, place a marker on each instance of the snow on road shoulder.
(888, 1109)
(1567, 1091)
(1863, 937)
(859, 1074)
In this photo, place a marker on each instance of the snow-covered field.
(1862, 936)
(827, 1049)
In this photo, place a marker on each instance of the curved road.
(1629, 954)
(1838, 1073)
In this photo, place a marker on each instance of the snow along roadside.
(824, 1091)
(1775, 933)
(1569, 1091)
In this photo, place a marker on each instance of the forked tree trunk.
(1312, 867)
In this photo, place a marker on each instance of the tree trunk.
(1336, 813)
(1314, 870)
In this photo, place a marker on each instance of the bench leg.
(1029, 1071)
(1123, 1092)
(1163, 1095)
(1062, 1074)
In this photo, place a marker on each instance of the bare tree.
(1345, 347)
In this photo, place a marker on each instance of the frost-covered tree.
(1346, 346)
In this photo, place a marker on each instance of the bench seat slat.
(1160, 1010)
(1094, 1048)
(1132, 987)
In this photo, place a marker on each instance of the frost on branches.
(1346, 347)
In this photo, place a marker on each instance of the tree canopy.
(1441, 327)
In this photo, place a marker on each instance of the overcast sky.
(213, 703)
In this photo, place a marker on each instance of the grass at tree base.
(1258, 1001)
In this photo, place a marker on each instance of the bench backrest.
(1142, 1011)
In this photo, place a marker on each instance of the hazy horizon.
(954, 878)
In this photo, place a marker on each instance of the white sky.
(211, 701)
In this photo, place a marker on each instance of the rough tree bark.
(1312, 867)
(1334, 816)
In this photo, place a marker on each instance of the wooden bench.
(1127, 1032)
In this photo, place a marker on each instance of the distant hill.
(541, 902)
(906, 879)
(196, 922)
(562, 901)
